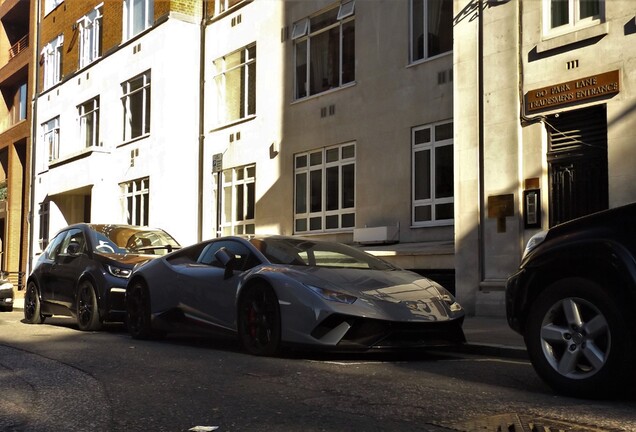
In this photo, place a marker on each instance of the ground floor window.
(433, 174)
(43, 213)
(324, 184)
(238, 200)
(136, 198)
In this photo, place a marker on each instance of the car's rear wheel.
(578, 339)
(138, 311)
(87, 310)
(259, 320)
(32, 305)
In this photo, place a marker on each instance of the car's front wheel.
(87, 310)
(578, 339)
(138, 311)
(259, 320)
(32, 306)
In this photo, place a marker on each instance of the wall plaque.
(580, 90)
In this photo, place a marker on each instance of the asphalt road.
(55, 378)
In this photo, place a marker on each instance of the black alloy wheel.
(578, 339)
(87, 310)
(259, 321)
(138, 311)
(32, 306)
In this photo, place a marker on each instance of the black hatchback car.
(573, 300)
(84, 270)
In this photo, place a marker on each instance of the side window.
(53, 249)
(74, 236)
(244, 258)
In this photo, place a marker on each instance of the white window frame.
(246, 67)
(90, 40)
(235, 214)
(138, 86)
(221, 6)
(574, 22)
(50, 5)
(432, 201)
(303, 34)
(52, 59)
(51, 139)
(88, 117)
(136, 201)
(137, 17)
(425, 5)
(307, 220)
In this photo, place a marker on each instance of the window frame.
(247, 90)
(304, 214)
(413, 50)
(574, 22)
(233, 180)
(90, 38)
(50, 5)
(52, 62)
(433, 200)
(302, 34)
(86, 111)
(129, 16)
(136, 201)
(131, 130)
(51, 139)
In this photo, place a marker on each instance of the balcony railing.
(19, 46)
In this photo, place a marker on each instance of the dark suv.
(573, 300)
(84, 271)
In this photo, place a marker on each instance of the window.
(138, 16)
(51, 138)
(431, 28)
(43, 213)
(235, 81)
(19, 108)
(136, 201)
(221, 6)
(433, 176)
(239, 199)
(89, 122)
(52, 61)
(324, 183)
(562, 16)
(136, 101)
(49, 5)
(324, 47)
(90, 41)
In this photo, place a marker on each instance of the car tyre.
(138, 312)
(577, 339)
(259, 323)
(32, 305)
(87, 309)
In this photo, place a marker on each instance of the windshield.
(303, 252)
(122, 239)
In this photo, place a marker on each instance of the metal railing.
(16, 278)
(19, 46)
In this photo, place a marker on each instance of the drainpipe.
(204, 11)
(480, 140)
(34, 134)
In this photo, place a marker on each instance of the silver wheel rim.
(575, 338)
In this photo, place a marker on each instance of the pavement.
(484, 335)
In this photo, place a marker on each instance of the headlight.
(119, 272)
(534, 241)
(330, 295)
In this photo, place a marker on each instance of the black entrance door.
(577, 163)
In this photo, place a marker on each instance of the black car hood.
(128, 260)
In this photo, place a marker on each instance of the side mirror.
(227, 259)
(73, 248)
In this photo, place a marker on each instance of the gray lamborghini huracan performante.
(275, 291)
